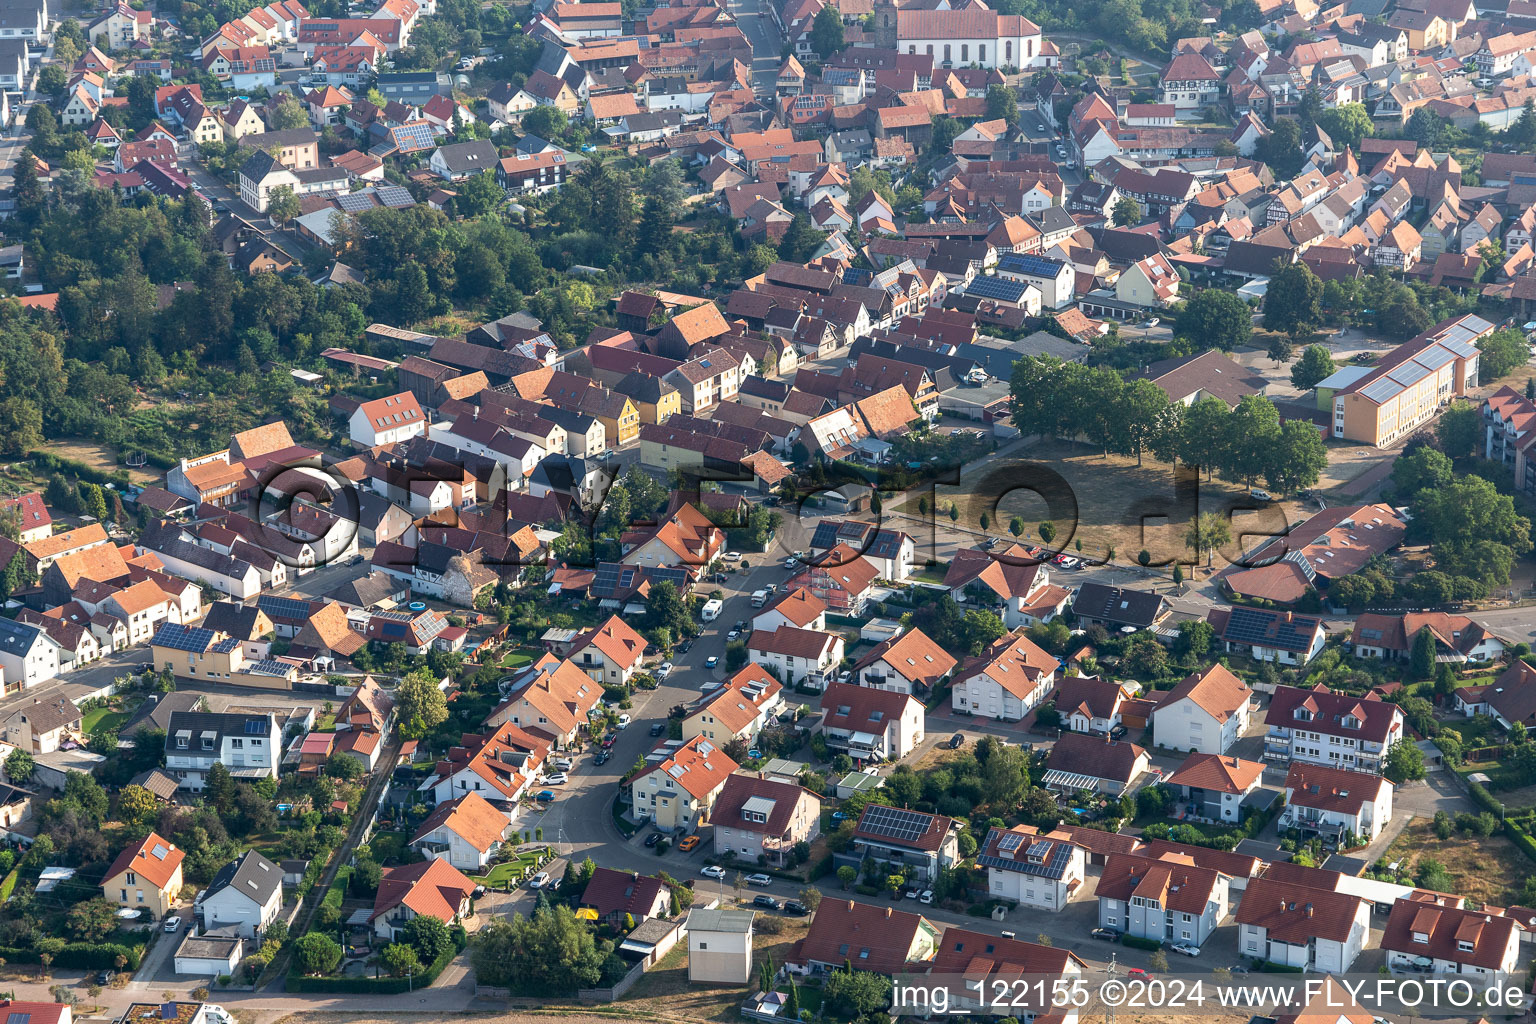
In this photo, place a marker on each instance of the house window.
(965, 52)
(946, 53)
(981, 53)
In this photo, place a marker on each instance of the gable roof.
(1216, 691)
(872, 938)
(251, 875)
(1296, 914)
(1220, 773)
(153, 858)
(432, 888)
(471, 817)
(914, 656)
(1095, 757)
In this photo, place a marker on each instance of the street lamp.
(408, 976)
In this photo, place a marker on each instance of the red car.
(1137, 972)
(608, 740)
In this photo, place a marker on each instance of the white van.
(711, 610)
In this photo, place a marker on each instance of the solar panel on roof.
(182, 638)
(1434, 357)
(996, 288)
(394, 196)
(1463, 348)
(1010, 841)
(284, 607)
(1029, 263)
(1379, 391)
(1408, 373)
(355, 202)
(895, 823)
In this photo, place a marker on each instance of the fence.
(608, 995)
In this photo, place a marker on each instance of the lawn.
(666, 988)
(518, 658)
(103, 718)
(1488, 870)
(508, 871)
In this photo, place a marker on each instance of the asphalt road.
(763, 33)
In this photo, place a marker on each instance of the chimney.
(1309, 910)
(1287, 616)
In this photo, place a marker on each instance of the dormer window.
(1464, 946)
(1302, 715)
(1421, 937)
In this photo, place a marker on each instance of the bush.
(371, 986)
(1137, 942)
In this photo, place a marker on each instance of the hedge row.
(1517, 835)
(87, 956)
(373, 986)
(1137, 942)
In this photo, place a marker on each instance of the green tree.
(92, 920)
(664, 609)
(1209, 531)
(549, 954)
(1002, 104)
(847, 875)
(1016, 526)
(1501, 352)
(1423, 469)
(283, 204)
(343, 766)
(137, 806)
(1460, 429)
(219, 789)
(546, 122)
(19, 766)
(286, 114)
(1048, 531)
(1215, 318)
(851, 995)
(1404, 762)
(399, 960)
(479, 195)
(1293, 299)
(827, 32)
(1422, 658)
(1297, 459)
(1126, 212)
(1314, 366)
(316, 953)
(1347, 124)
(421, 705)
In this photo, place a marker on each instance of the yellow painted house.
(147, 874)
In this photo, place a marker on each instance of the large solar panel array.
(1267, 629)
(895, 823)
(1459, 340)
(394, 196)
(1029, 263)
(1434, 357)
(996, 288)
(183, 638)
(355, 202)
(1380, 390)
(1409, 373)
(284, 607)
(412, 137)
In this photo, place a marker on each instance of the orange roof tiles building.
(432, 888)
(467, 831)
(1216, 785)
(680, 788)
(146, 875)
(739, 710)
(1207, 712)
(1007, 681)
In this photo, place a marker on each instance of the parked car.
(910, 894)
(1139, 972)
(925, 897)
(689, 844)
(546, 796)
(564, 764)
(1259, 495)
(1187, 948)
(957, 741)
(711, 661)
(759, 879)
(664, 671)
(172, 924)
(733, 556)
(791, 564)
(539, 880)
(608, 740)
(713, 871)
(1107, 934)
(602, 757)
(658, 729)
(795, 907)
(732, 635)
(557, 779)
(653, 839)
(766, 902)
(624, 720)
